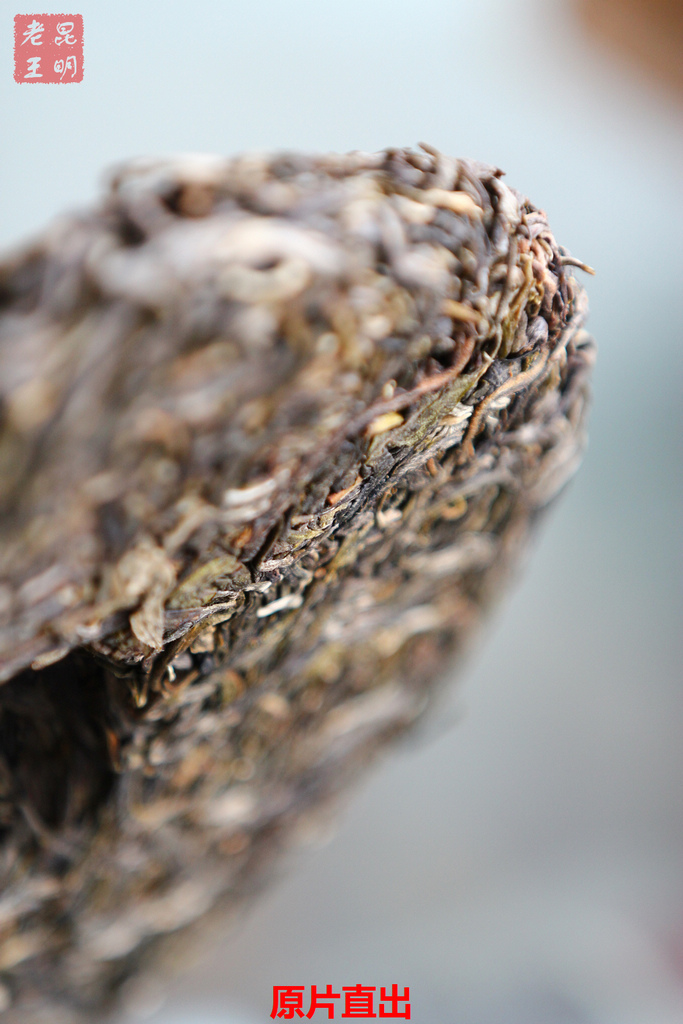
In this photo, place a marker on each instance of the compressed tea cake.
(273, 430)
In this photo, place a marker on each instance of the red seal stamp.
(48, 48)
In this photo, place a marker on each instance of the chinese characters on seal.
(48, 48)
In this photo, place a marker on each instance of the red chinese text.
(357, 1002)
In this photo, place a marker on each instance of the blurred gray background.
(520, 861)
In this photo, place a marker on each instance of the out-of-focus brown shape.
(649, 31)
